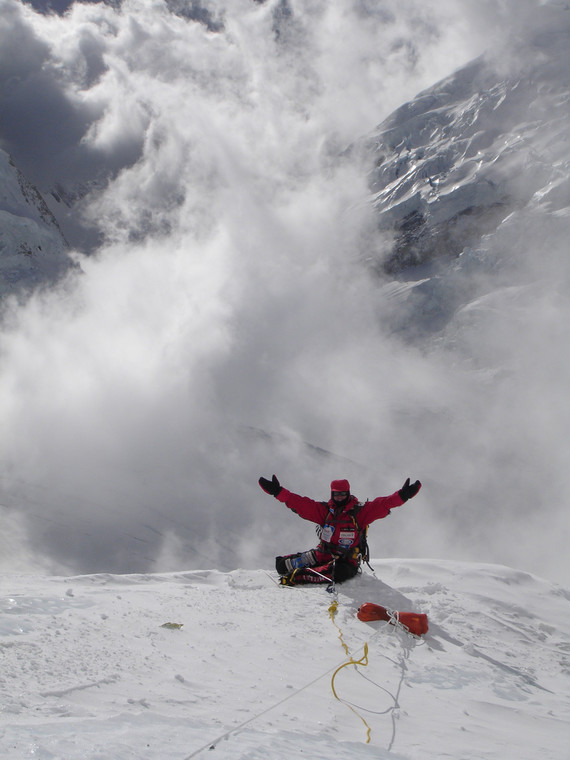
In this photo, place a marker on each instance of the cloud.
(226, 328)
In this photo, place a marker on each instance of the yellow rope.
(363, 661)
(333, 609)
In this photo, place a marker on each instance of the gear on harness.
(363, 547)
(360, 551)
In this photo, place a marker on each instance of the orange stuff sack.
(415, 622)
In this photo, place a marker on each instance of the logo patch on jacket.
(346, 537)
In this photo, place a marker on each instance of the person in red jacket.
(341, 524)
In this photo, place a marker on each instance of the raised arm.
(307, 508)
(381, 506)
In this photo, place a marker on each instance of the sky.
(223, 326)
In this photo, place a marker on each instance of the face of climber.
(340, 498)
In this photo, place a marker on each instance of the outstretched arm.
(380, 507)
(307, 508)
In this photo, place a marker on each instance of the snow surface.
(90, 671)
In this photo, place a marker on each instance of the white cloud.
(229, 294)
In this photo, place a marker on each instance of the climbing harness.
(358, 550)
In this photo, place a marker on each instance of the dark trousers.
(306, 569)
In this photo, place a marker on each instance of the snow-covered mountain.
(489, 140)
(92, 669)
(33, 250)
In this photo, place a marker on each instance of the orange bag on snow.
(415, 622)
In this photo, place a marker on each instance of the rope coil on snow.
(408, 641)
(363, 661)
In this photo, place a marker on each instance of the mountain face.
(491, 139)
(33, 250)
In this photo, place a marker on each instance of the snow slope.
(90, 671)
(492, 138)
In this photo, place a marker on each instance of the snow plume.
(224, 327)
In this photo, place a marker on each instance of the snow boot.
(290, 562)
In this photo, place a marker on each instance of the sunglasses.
(340, 494)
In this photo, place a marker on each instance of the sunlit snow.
(91, 670)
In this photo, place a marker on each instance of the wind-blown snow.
(224, 325)
(90, 671)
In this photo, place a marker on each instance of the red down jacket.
(339, 533)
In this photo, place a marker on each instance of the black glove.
(270, 486)
(408, 491)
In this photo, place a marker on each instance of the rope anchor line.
(333, 609)
(212, 744)
(408, 641)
